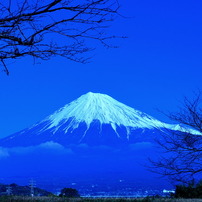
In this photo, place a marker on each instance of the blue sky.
(154, 67)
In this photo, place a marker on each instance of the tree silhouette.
(69, 192)
(182, 157)
(46, 28)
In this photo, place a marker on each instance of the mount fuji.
(92, 119)
(95, 144)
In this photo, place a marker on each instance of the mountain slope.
(95, 106)
(94, 119)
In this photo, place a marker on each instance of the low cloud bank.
(51, 148)
(55, 149)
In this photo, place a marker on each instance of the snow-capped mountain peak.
(105, 109)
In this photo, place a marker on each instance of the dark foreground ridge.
(16, 190)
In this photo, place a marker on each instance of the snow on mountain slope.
(96, 106)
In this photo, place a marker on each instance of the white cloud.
(141, 145)
(47, 147)
(3, 153)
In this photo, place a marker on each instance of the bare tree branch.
(182, 151)
(46, 28)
